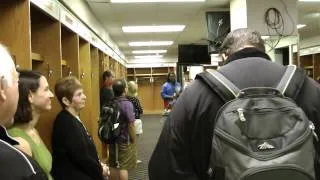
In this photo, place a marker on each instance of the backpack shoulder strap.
(291, 81)
(220, 84)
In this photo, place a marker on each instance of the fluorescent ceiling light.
(265, 37)
(148, 57)
(142, 1)
(144, 29)
(299, 26)
(151, 43)
(149, 51)
(309, 0)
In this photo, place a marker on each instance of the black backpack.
(261, 134)
(110, 123)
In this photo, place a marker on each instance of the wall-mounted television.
(193, 54)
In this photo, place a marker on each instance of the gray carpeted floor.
(146, 143)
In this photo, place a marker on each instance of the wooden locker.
(46, 58)
(95, 90)
(70, 52)
(85, 79)
(15, 30)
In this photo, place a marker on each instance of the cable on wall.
(275, 22)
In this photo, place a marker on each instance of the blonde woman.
(132, 96)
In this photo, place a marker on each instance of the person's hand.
(105, 169)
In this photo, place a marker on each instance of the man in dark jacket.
(106, 93)
(184, 145)
(14, 165)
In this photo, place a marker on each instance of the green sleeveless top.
(40, 152)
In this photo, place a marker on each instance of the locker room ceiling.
(115, 15)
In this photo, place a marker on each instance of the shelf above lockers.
(308, 67)
(36, 57)
(148, 72)
(48, 6)
(154, 74)
(63, 62)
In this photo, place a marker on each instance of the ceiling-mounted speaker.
(218, 24)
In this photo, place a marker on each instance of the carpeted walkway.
(146, 143)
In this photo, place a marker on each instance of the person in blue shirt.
(170, 91)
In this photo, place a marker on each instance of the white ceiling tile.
(114, 16)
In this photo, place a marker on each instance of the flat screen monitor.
(192, 54)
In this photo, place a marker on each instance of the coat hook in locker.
(69, 71)
(50, 71)
(82, 74)
(17, 67)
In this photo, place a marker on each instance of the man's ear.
(3, 96)
(30, 97)
(66, 101)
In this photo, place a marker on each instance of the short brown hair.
(66, 87)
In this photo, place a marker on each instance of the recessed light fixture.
(143, 1)
(151, 43)
(299, 26)
(144, 29)
(149, 51)
(148, 57)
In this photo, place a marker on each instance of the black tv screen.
(192, 54)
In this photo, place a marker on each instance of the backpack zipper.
(279, 153)
(263, 110)
(237, 98)
(312, 127)
(256, 170)
(243, 119)
(241, 114)
(241, 111)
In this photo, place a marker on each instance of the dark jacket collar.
(5, 137)
(247, 52)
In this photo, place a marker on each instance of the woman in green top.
(34, 98)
